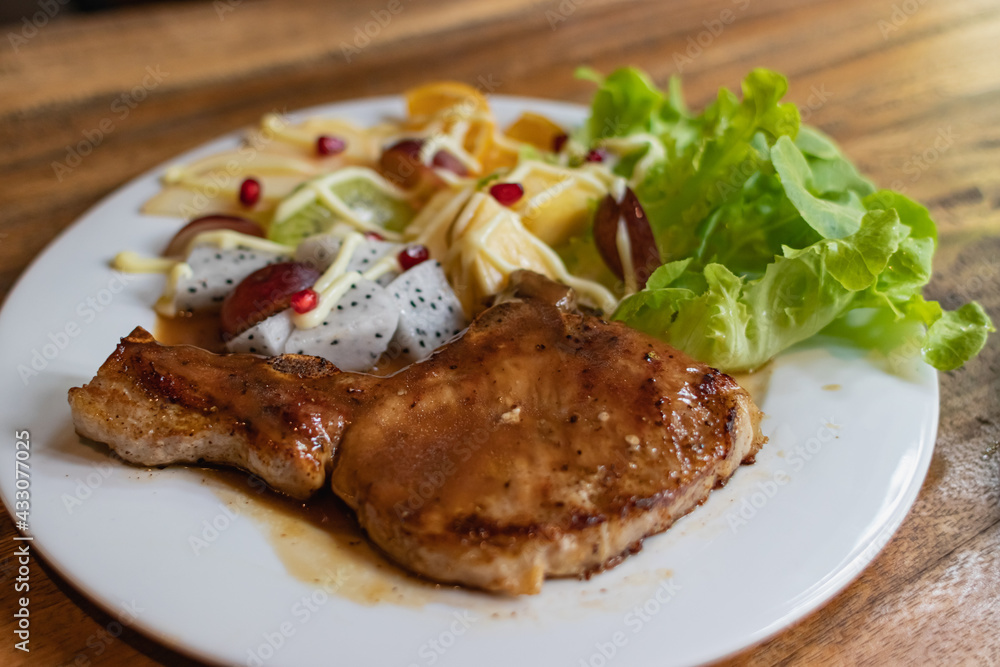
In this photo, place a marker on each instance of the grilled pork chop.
(542, 442)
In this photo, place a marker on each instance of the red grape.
(629, 212)
(210, 223)
(400, 163)
(264, 293)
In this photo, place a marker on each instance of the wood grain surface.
(910, 88)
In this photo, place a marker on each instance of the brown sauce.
(321, 544)
(200, 329)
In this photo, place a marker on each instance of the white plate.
(781, 539)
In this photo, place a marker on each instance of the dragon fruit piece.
(355, 333)
(215, 273)
(267, 337)
(321, 250)
(430, 313)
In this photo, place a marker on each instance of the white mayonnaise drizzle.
(165, 305)
(586, 176)
(624, 145)
(589, 290)
(337, 280)
(321, 190)
(435, 142)
(227, 239)
(177, 270)
(452, 140)
(623, 244)
(128, 261)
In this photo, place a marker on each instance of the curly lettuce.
(769, 233)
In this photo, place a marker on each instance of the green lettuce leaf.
(830, 218)
(956, 337)
(832, 173)
(626, 102)
(739, 324)
(769, 234)
(711, 159)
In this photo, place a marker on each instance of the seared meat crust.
(544, 442)
(157, 405)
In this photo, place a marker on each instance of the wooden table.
(910, 89)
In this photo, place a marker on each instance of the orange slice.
(479, 138)
(451, 102)
(535, 129)
(499, 155)
(433, 98)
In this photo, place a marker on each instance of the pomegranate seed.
(597, 155)
(327, 145)
(412, 255)
(374, 236)
(507, 193)
(304, 301)
(558, 142)
(249, 192)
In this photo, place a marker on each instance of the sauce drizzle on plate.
(320, 543)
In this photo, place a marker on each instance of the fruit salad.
(357, 244)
